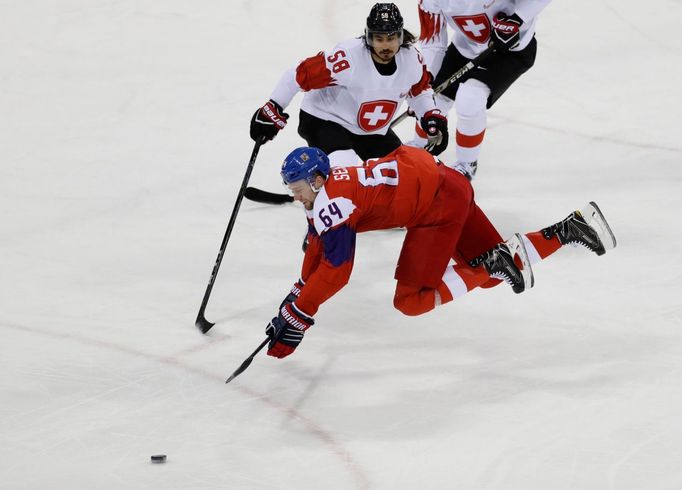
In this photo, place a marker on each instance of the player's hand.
(435, 125)
(293, 294)
(286, 330)
(506, 31)
(268, 121)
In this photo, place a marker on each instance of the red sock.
(544, 247)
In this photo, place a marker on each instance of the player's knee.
(471, 99)
(405, 307)
(409, 304)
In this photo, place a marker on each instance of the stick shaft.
(201, 321)
(248, 361)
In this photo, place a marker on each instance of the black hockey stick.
(247, 362)
(201, 322)
(258, 195)
(453, 78)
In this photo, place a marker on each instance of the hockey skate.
(587, 228)
(499, 262)
(467, 169)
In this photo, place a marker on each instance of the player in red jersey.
(412, 189)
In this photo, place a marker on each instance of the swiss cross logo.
(376, 114)
(475, 27)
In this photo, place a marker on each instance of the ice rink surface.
(123, 142)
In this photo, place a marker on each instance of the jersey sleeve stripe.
(312, 73)
(430, 25)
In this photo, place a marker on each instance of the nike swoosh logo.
(488, 5)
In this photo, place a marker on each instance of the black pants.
(498, 72)
(329, 136)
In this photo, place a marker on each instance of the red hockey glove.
(506, 31)
(294, 293)
(435, 124)
(286, 330)
(268, 121)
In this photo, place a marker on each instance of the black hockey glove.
(435, 125)
(268, 121)
(286, 330)
(506, 31)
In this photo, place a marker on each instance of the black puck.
(158, 458)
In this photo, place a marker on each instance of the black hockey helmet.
(384, 18)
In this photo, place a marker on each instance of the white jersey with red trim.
(343, 86)
(471, 25)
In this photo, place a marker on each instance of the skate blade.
(594, 217)
(517, 248)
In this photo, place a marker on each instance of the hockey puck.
(158, 458)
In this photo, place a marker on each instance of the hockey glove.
(506, 31)
(435, 125)
(268, 121)
(293, 294)
(286, 330)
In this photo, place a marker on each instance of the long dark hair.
(408, 38)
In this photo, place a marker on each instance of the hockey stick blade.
(265, 197)
(202, 324)
(248, 361)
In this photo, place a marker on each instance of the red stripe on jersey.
(420, 132)
(312, 73)
(429, 23)
(469, 141)
(423, 84)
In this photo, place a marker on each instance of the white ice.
(123, 143)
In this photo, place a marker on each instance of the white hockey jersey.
(343, 86)
(471, 25)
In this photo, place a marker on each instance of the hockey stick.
(453, 78)
(259, 195)
(201, 322)
(247, 362)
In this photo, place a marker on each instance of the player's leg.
(500, 263)
(330, 137)
(586, 228)
(472, 120)
(425, 280)
(457, 280)
(485, 86)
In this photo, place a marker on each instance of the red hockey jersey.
(390, 192)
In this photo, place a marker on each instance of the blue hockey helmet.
(305, 163)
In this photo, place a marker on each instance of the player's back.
(389, 192)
